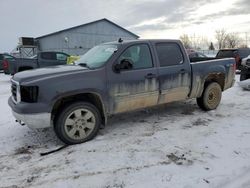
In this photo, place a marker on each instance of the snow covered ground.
(175, 145)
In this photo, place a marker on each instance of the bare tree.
(243, 46)
(221, 36)
(185, 40)
(232, 40)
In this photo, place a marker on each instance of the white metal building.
(77, 40)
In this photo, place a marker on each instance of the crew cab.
(42, 59)
(111, 78)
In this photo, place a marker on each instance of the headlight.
(29, 93)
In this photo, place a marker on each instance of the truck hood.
(43, 73)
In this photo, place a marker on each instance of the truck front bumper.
(30, 115)
(34, 121)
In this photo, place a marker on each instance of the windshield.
(97, 56)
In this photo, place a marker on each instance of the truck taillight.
(234, 67)
(5, 64)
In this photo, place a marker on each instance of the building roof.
(104, 19)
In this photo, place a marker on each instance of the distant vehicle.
(237, 53)
(112, 78)
(72, 59)
(196, 56)
(3, 59)
(42, 59)
(245, 69)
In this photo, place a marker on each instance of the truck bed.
(201, 71)
(20, 62)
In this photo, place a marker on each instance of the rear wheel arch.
(215, 77)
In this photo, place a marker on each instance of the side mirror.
(125, 64)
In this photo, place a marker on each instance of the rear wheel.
(211, 97)
(78, 122)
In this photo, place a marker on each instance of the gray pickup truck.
(112, 78)
(42, 59)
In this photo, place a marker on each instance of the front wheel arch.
(90, 97)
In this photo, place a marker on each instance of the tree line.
(222, 37)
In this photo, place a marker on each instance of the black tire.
(243, 76)
(77, 129)
(211, 97)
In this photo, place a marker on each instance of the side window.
(61, 57)
(139, 55)
(1, 57)
(48, 55)
(169, 54)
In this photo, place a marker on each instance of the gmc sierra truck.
(42, 59)
(111, 78)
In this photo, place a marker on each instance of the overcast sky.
(146, 18)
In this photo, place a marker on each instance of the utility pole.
(246, 38)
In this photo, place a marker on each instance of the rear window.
(48, 55)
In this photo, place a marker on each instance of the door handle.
(182, 71)
(150, 76)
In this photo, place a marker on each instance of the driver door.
(136, 86)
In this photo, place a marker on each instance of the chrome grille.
(14, 91)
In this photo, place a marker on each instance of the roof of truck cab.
(233, 49)
(144, 40)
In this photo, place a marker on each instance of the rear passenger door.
(174, 72)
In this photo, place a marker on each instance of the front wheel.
(78, 122)
(211, 97)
